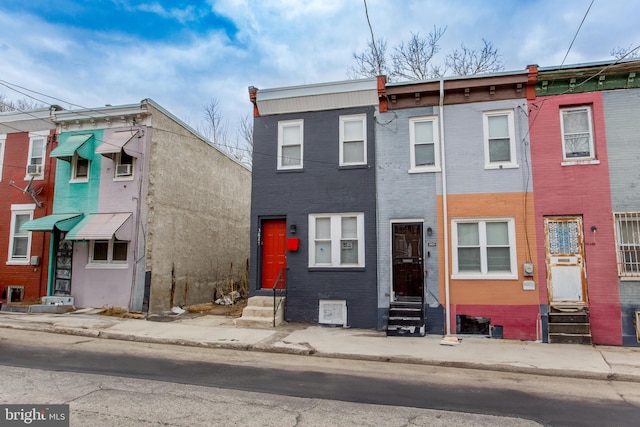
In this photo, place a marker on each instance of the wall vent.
(333, 312)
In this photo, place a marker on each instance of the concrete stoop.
(259, 313)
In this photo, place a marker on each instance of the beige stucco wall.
(198, 203)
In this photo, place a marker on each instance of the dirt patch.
(233, 310)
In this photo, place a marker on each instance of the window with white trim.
(111, 251)
(336, 240)
(79, 168)
(628, 243)
(577, 133)
(499, 139)
(484, 248)
(123, 166)
(36, 159)
(20, 240)
(3, 140)
(425, 150)
(290, 144)
(353, 140)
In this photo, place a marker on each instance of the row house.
(455, 208)
(146, 214)
(585, 142)
(504, 205)
(313, 211)
(26, 193)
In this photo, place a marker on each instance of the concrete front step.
(557, 338)
(259, 313)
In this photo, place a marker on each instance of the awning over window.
(118, 141)
(75, 143)
(103, 226)
(64, 222)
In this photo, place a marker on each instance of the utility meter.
(527, 268)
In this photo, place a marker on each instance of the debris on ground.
(178, 310)
(450, 341)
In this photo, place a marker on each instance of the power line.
(576, 35)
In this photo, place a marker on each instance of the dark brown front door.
(408, 262)
(273, 251)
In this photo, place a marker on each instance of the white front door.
(566, 273)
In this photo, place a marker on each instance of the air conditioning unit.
(333, 312)
(123, 170)
(33, 170)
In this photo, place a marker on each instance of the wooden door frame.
(582, 254)
(260, 254)
(409, 221)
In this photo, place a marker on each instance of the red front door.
(273, 250)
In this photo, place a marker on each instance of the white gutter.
(445, 213)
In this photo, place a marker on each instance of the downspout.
(445, 214)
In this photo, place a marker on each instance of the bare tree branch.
(372, 62)
(18, 105)
(412, 61)
(467, 61)
(625, 53)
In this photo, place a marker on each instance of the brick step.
(568, 318)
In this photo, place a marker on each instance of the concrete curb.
(304, 351)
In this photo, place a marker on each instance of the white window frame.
(512, 162)
(281, 126)
(484, 274)
(109, 262)
(336, 239)
(3, 142)
(117, 160)
(26, 209)
(591, 158)
(436, 145)
(362, 118)
(74, 169)
(34, 136)
(633, 246)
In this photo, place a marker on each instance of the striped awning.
(118, 141)
(103, 226)
(64, 222)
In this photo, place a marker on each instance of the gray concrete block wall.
(322, 186)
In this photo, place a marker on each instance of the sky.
(185, 54)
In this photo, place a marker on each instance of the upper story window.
(79, 168)
(20, 240)
(36, 159)
(3, 139)
(123, 166)
(499, 139)
(353, 140)
(577, 134)
(484, 248)
(628, 243)
(425, 150)
(290, 144)
(336, 240)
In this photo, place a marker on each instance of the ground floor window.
(111, 251)
(20, 240)
(336, 240)
(484, 248)
(628, 243)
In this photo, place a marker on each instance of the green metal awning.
(64, 222)
(73, 144)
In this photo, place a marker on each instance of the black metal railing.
(280, 286)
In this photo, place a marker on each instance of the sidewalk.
(566, 360)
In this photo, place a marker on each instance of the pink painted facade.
(578, 189)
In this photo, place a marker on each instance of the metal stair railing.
(280, 285)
